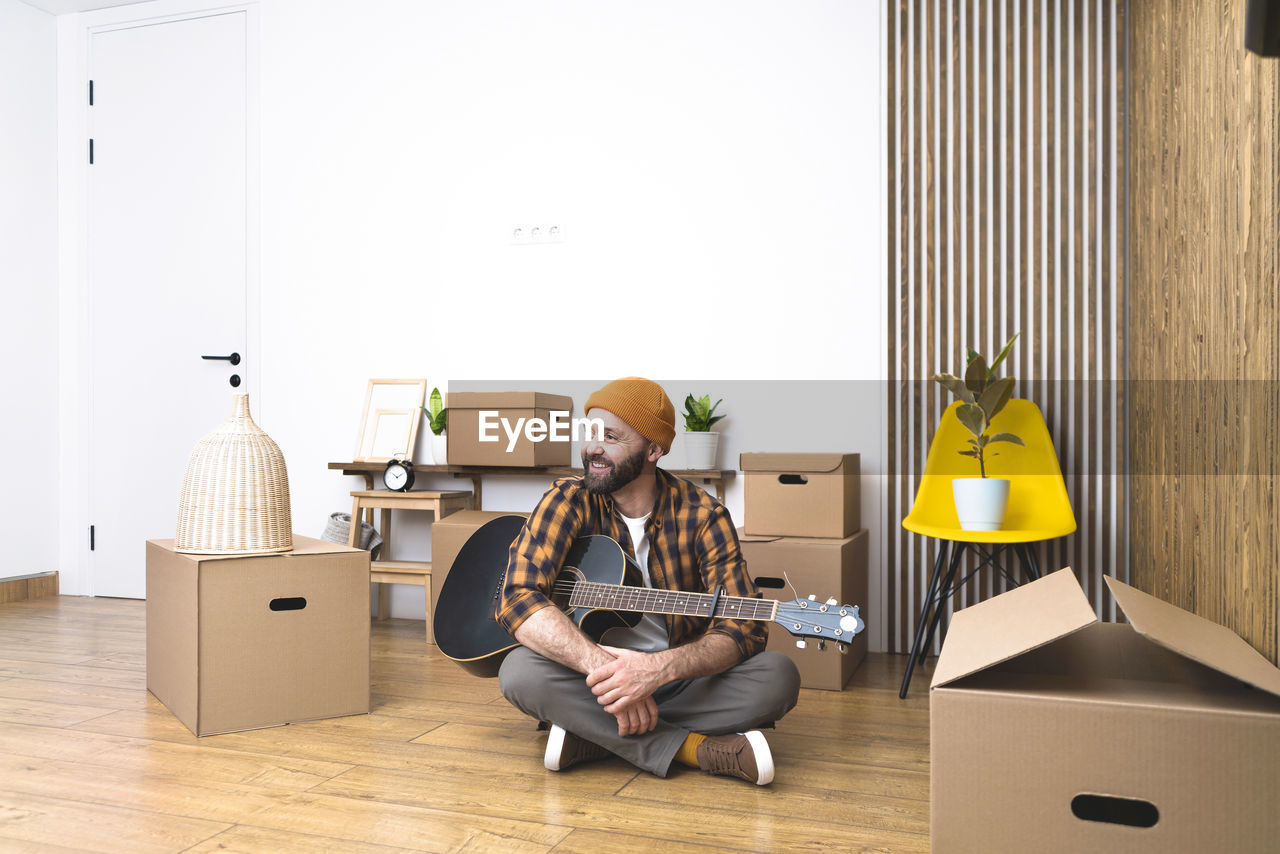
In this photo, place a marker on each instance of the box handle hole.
(288, 603)
(770, 581)
(1127, 811)
(792, 479)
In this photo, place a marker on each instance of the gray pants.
(758, 691)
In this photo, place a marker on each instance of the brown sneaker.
(745, 755)
(565, 749)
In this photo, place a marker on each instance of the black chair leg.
(938, 563)
(1032, 559)
(1024, 561)
(957, 554)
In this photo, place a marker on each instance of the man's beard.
(618, 476)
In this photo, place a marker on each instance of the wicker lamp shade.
(235, 494)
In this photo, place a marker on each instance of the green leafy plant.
(435, 412)
(698, 416)
(981, 399)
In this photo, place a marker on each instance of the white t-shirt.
(650, 634)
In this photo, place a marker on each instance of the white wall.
(714, 167)
(29, 287)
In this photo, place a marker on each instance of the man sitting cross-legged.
(678, 688)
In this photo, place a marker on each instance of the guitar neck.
(650, 600)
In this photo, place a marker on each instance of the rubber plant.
(698, 416)
(981, 399)
(435, 412)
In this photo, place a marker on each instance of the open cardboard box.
(1052, 731)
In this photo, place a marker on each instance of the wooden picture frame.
(389, 424)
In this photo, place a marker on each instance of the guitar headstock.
(823, 621)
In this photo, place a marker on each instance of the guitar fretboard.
(648, 600)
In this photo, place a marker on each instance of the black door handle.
(234, 358)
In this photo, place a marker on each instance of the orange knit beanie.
(642, 404)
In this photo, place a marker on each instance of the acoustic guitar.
(600, 587)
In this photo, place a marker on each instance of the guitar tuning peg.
(813, 597)
(822, 645)
(843, 647)
(832, 601)
(800, 644)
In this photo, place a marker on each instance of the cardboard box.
(466, 449)
(1051, 731)
(827, 569)
(448, 535)
(242, 642)
(802, 495)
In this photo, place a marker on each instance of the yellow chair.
(1038, 506)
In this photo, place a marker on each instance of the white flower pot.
(980, 502)
(700, 449)
(439, 449)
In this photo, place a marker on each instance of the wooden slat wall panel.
(1204, 316)
(1006, 152)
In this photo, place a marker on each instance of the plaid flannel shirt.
(692, 546)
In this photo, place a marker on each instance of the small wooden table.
(414, 572)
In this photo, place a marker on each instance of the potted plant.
(435, 413)
(981, 501)
(700, 441)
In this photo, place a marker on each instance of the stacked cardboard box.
(803, 538)
(510, 420)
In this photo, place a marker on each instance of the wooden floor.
(89, 761)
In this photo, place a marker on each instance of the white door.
(166, 272)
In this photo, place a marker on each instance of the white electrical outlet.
(537, 234)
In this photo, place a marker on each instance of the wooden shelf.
(371, 473)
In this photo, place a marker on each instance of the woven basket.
(235, 495)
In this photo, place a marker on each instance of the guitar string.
(661, 601)
(638, 595)
(642, 597)
(666, 601)
(582, 593)
(647, 599)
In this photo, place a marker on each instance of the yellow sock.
(688, 752)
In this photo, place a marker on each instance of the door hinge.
(90, 93)
(91, 538)
(90, 151)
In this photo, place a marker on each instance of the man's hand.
(625, 686)
(637, 718)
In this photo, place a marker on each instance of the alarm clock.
(398, 475)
